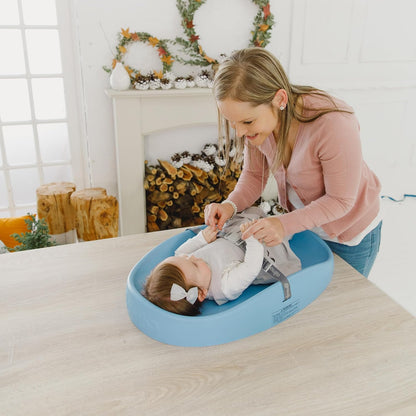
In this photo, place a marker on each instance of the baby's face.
(194, 269)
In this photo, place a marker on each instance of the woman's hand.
(210, 234)
(217, 214)
(268, 231)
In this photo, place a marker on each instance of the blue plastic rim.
(259, 308)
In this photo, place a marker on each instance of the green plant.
(37, 235)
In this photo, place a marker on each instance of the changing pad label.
(286, 312)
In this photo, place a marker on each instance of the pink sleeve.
(251, 183)
(338, 148)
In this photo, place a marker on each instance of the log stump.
(96, 214)
(54, 205)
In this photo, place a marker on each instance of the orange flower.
(114, 63)
(128, 69)
(210, 60)
(126, 33)
(158, 74)
(189, 24)
(135, 36)
(167, 59)
(122, 49)
(266, 10)
(153, 41)
(263, 28)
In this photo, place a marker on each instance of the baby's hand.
(245, 226)
(210, 233)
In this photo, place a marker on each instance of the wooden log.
(164, 187)
(176, 222)
(186, 174)
(181, 186)
(96, 214)
(153, 209)
(156, 196)
(197, 187)
(198, 174)
(54, 205)
(151, 218)
(213, 177)
(163, 215)
(170, 169)
(200, 198)
(150, 170)
(195, 208)
(152, 226)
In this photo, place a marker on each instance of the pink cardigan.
(327, 171)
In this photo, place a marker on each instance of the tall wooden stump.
(96, 214)
(54, 205)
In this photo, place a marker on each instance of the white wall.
(361, 50)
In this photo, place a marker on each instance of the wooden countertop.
(68, 347)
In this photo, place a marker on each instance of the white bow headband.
(177, 293)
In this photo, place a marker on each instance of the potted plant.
(37, 235)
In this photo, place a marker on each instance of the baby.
(207, 267)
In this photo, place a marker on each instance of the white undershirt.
(297, 203)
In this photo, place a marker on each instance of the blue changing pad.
(260, 307)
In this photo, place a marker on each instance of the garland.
(261, 33)
(263, 23)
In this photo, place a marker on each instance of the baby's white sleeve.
(191, 245)
(238, 277)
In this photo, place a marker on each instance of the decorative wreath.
(263, 23)
(126, 38)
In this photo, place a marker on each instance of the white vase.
(119, 78)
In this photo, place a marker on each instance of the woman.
(310, 142)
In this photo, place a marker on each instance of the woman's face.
(256, 123)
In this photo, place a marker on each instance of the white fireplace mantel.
(140, 113)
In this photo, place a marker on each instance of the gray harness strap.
(268, 267)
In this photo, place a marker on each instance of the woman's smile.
(252, 137)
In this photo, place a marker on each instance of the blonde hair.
(254, 75)
(159, 284)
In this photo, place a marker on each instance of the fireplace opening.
(178, 189)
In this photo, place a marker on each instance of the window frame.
(75, 114)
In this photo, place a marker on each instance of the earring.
(282, 107)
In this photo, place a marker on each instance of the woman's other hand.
(268, 231)
(217, 214)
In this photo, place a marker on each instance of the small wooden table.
(68, 347)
